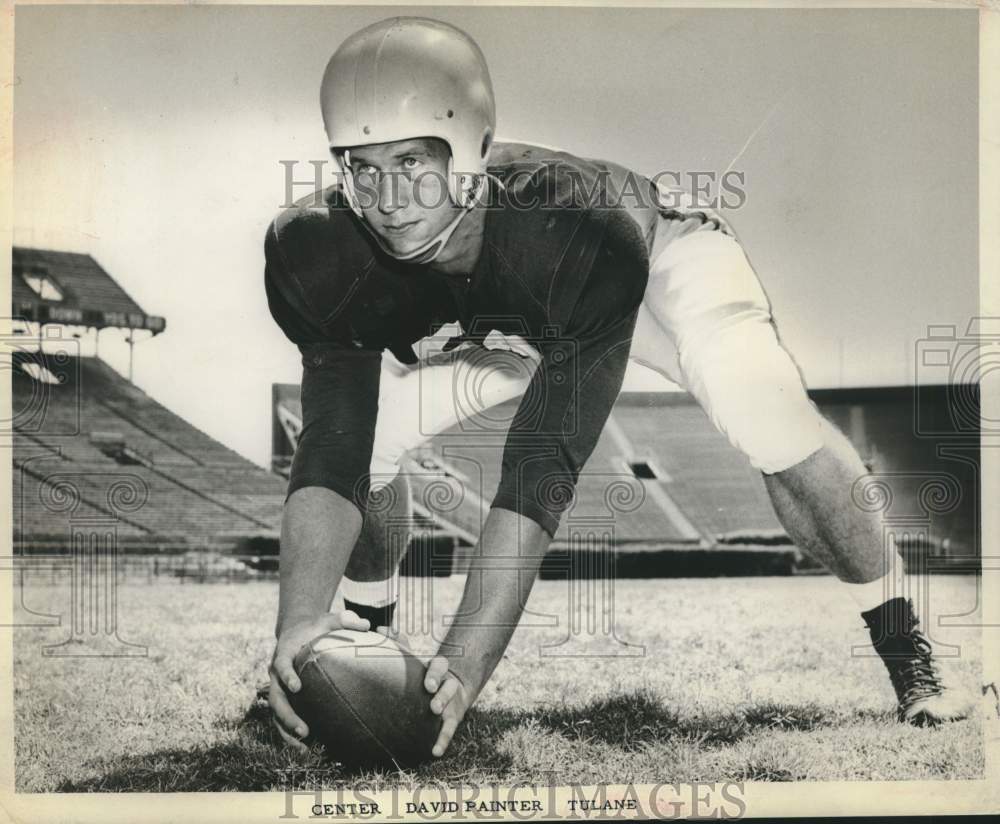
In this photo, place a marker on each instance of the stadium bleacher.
(95, 427)
(663, 487)
(700, 494)
(706, 489)
(710, 481)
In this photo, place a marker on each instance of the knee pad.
(751, 389)
(398, 427)
(709, 301)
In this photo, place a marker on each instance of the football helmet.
(410, 77)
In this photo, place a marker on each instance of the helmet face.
(411, 77)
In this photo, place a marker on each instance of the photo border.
(762, 799)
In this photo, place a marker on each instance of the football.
(363, 698)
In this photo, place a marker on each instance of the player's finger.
(444, 737)
(283, 668)
(347, 619)
(444, 695)
(284, 716)
(436, 671)
(289, 739)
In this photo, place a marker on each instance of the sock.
(376, 616)
(875, 593)
(374, 600)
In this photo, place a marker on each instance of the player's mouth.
(397, 230)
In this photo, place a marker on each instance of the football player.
(568, 267)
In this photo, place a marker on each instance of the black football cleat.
(923, 700)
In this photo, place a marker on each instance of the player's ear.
(487, 144)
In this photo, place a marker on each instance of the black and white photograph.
(509, 412)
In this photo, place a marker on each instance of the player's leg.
(370, 585)
(414, 405)
(706, 324)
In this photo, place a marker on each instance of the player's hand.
(282, 670)
(452, 699)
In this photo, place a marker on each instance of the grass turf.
(738, 679)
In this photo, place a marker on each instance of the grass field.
(740, 679)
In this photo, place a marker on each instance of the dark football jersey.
(564, 265)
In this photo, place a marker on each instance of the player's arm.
(328, 482)
(579, 376)
(510, 551)
(320, 523)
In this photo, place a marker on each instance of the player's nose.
(392, 194)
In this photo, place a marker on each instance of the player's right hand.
(283, 677)
(452, 699)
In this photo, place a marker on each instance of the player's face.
(402, 188)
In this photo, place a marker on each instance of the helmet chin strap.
(429, 250)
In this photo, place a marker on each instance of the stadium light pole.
(131, 351)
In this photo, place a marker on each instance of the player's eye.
(410, 163)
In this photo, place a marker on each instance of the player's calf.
(370, 585)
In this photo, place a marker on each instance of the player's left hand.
(452, 699)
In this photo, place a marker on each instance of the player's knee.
(751, 389)
(384, 469)
(388, 448)
(397, 428)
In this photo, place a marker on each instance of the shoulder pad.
(323, 250)
(567, 180)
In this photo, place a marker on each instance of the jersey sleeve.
(582, 366)
(340, 386)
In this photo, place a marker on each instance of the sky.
(153, 138)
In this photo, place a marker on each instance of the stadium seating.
(711, 482)
(702, 484)
(709, 490)
(94, 429)
(661, 479)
